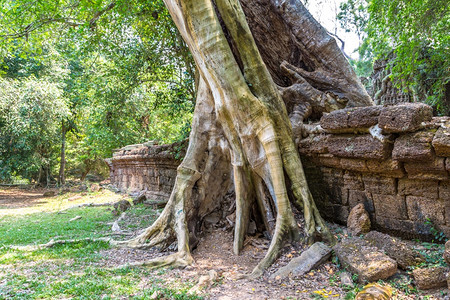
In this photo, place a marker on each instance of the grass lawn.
(76, 270)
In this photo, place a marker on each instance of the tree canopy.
(415, 34)
(121, 67)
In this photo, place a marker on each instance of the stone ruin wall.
(147, 168)
(383, 90)
(400, 171)
(401, 177)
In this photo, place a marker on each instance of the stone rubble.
(308, 260)
(366, 261)
(430, 278)
(358, 221)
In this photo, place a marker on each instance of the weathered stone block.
(335, 120)
(380, 185)
(414, 146)
(447, 252)
(434, 169)
(402, 227)
(350, 119)
(329, 160)
(344, 195)
(359, 146)
(441, 141)
(314, 144)
(340, 213)
(311, 258)
(421, 188)
(363, 117)
(333, 176)
(364, 260)
(357, 197)
(447, 212)
(430, 278)
(404, 118)
(309, 162)
(394, 248)
(444, 190)
(422, 208)
(358, 221)
(391, 206)
(353, 181)
(389, 167)
(357, 165)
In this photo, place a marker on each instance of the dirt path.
(24, 200)
(15, 198)
(215, 253)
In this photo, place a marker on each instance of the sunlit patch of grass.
(74, 270)
(63, 201)
(91, 283)
(82, 251)
(139, 216)
(41, 227)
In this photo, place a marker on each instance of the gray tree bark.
(256, 77)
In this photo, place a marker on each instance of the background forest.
(79, 79)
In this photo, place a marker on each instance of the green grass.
(41, 227)
(90, 283)
(75, 270)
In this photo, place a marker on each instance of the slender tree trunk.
(241, 131)
(62, 165)
(85, 173)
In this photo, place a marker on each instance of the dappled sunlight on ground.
(16, 201)
(94, 269)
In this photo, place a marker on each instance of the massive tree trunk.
(241, 132)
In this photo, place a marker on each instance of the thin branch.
(342, 43)
(68, 21)
(97, 16)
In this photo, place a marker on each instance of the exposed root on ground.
(53, 243)
(87, 205)
(177, 260)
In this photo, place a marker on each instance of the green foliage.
(353, 16)
(121, 67)
(433, 254)
(30, 114)
(416, 32)
(438, 236)
(406, 285)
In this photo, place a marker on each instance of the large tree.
(242, 123)
(263, 65)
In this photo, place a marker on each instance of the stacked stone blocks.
(146, 168)
(394, 159)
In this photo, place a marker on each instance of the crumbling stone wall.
(383, 90)
(393, 159)
(148, 168)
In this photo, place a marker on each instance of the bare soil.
(14, 197)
